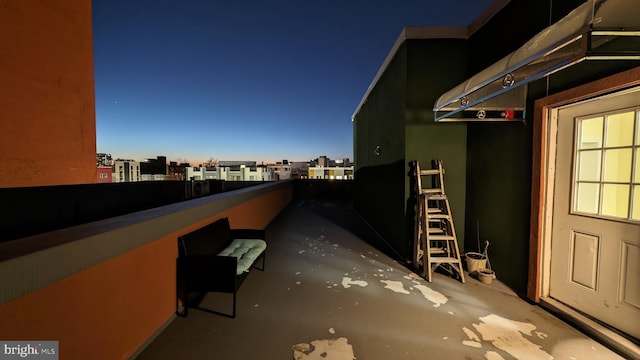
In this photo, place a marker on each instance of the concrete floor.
(327, 294)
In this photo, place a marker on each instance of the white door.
(595, 244)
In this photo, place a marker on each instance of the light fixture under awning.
(596, 30)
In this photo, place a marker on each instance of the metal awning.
(596, 30)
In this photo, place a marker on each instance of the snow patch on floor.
(507, 335)
(470, 334)
(435, 297)
(347, 282)
(492, 355)
(396, 286)
(327, 349)
(471, 343)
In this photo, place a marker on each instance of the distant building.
(160, 177)
(179, 171)
(331, 173)
(157, 166)
(344, 162)
(104, 174)
(325, 168)
(323, 161)
(236, 163)
(231, 173)
(249, 173)
(126, 171)
(299, 169)
(104, 160)
(336, 169)
(281, 170)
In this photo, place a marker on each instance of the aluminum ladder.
(435, 241)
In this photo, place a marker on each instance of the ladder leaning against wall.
(435, 241)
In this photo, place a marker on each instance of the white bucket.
(475, 261)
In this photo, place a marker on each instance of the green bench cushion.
(246, 250)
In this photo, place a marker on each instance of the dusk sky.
(244, 79)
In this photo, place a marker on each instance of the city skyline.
(114, 157)
(244, 80)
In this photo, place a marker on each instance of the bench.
(216, 258)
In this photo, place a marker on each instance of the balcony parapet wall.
(105, 287)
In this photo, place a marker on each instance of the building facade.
(281, 170)
(157, 166)
(231, 173)
(331, 173)
(126, 171)
(103, 159)
(104, 174)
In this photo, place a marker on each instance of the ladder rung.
(430, 172)
(436, 259)
(439, 216)
(431, 191)
(436, 251)
(436, 197)
(434, 210)
(436, 231)
(441, 237)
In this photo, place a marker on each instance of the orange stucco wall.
(108, 311)
(47, 101)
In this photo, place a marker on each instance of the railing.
(104, 288)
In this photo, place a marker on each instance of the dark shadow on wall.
(379, 199)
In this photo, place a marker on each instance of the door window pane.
(589, 165)
(586, 200)
(617, 165)
(615, 200)
(620, 129)
(591, 133)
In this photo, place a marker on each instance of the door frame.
(543, 163)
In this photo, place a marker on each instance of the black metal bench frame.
(200, 270)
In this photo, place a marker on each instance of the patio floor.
(327, 294)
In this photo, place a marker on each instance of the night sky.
(244, 79)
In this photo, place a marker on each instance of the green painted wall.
(379, 179)
(498, 196)
(398, 116)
